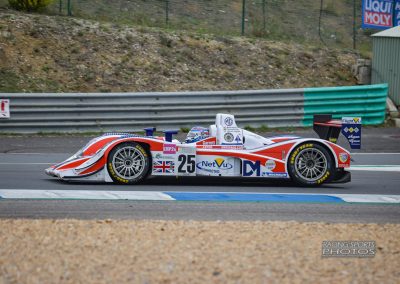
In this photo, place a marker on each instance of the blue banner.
(351, 129)
(396, 20)
(378, 14)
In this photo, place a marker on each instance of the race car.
(222, 149)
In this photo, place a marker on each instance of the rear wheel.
(128, 163)
(310, 165)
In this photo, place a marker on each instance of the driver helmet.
(196, 134)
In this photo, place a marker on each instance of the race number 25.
(187, 164)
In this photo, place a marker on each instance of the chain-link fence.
(331, 22)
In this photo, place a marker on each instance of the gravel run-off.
(122, 251)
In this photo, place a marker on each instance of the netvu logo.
(218, 163)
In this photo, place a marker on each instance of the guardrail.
(32, 113)
(368, 102)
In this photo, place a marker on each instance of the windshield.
(196, 134)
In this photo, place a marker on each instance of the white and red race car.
(223, 149)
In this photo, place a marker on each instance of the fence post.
(69, 8)
(264, 15)
(243, 15)
(166, 12)
(60, 7)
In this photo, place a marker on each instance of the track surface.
(19, 170)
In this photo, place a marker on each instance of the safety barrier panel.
(368, 102)
(101, 112)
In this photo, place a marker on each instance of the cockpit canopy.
(197, 133)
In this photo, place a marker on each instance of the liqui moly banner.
(396, 20)
(378, 14)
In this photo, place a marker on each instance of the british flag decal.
(167, 167)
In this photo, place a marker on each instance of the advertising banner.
(351, 129)
(378, 14)
(4, 108)
(396, 20)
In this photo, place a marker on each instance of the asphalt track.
(22, 164)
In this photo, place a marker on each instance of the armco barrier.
(369, 102)
(31, 113)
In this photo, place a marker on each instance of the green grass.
(262, 128)
(184, 129)
(284, 21)
(9, 82)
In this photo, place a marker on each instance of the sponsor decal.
(233, 147)
(167, 167)
(296, 152)
(114, 175)
(270, 165)
(351, 129)
(343, 157)
(208, 141)
(169, 148)
(321, 180)
(159, 156)
(228, 137)
(277, 175)
(238, 139)
(351, 120)
(217, 166)
(208, 147)
(219, 161)
(228, 121)
(187, 150)
(225, 147)
(251, 168)
(140, 148)
(4, 108)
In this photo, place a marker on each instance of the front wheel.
(310, 165)
(128, 163)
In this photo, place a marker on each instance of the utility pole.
(354, 24)
(69, 8)
(264, 16)
(166, 12)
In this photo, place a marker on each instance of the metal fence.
(32, 113)
(132, 112)
(329, 21)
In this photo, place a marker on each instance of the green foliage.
(29, 5)
(185, 129)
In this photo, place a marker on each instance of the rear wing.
(330, 129)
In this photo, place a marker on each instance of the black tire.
(128, 163)
(311, 164)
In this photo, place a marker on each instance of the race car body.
(223, 150)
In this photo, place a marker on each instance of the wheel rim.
(128, 162)
(311, 164)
